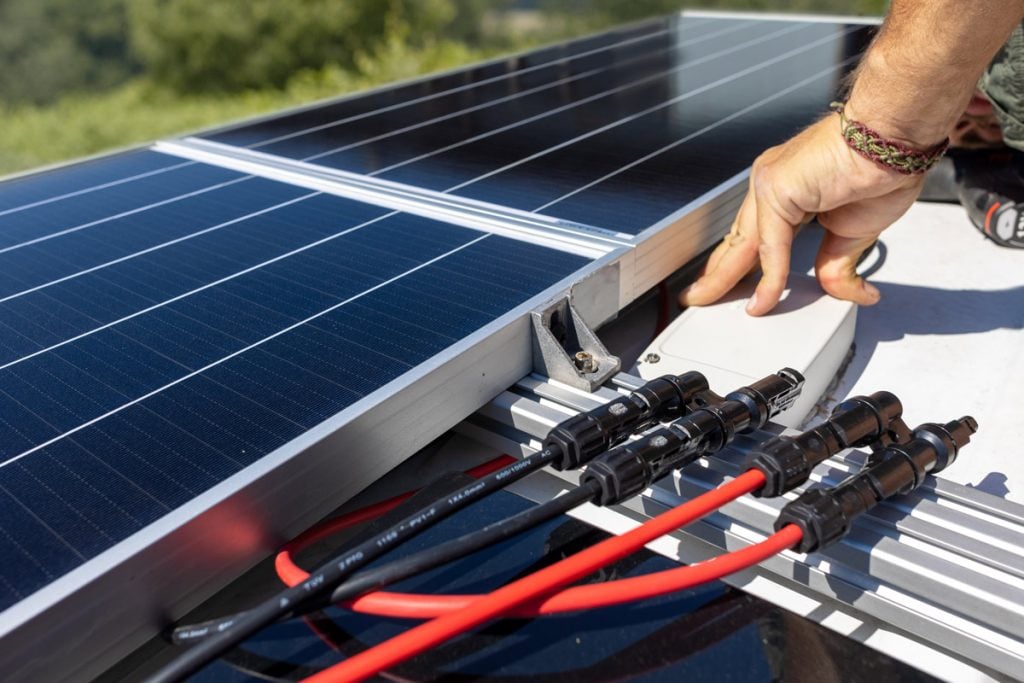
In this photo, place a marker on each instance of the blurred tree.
(209, 45)
(51, 47)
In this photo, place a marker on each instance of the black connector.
(786, 461)
(629, 469)
(826, 515)
(585, 436)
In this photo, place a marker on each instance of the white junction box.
(808, 331)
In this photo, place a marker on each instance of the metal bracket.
(567, 350)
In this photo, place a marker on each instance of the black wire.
(455, 549)
(423, 561)
(322, 581)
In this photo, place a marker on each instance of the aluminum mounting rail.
(935, 578)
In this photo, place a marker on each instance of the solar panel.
(160, 406)
(207, 320)
(466, 82)
(206, 345)
(657, 123)
(21, 193)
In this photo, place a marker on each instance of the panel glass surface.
(619, 138)
(52, 185)
(146, 358)
(441, 92)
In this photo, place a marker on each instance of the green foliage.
(51, 47)
(217, 45)
(79, 125)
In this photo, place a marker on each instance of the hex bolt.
(585, 362)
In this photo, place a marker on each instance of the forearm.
(919, 74)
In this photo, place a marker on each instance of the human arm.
(912, 86)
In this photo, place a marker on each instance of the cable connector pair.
(627, 470)
(826, 515)
(583, 437)
(874, 421)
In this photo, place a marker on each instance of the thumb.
(836, 268)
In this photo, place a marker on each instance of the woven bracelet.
(888, 153)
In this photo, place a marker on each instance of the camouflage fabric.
(1003, 84)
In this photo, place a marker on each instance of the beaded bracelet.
(888, 153)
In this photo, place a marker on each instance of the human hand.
(814, 173)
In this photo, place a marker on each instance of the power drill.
(990, 185)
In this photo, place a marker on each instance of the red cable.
(426, 606)
(547, 581)
(596, 596)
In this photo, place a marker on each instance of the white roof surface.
(947, 338)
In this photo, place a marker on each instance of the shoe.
(990, 185)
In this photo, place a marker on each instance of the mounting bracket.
(567, 350)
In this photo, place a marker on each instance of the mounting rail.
(935, 578)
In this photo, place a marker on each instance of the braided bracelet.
(888, 153)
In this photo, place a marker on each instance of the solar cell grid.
(664, 124)
(47, 186)
(427, 91)
(78, 212)
(140, 415)
(534, 91)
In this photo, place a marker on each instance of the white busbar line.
(91, 188)
(469, 86)
(698, 133)
(197, 290)
(588, 100)
(155, 247)
(649, 110)
(524, 93)
(129, 212)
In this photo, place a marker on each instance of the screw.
(617, 409)
(585, 362)
(652, 358)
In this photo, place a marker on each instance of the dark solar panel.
(437, 92)
(47, 186)
(186, 341)
(660, 121)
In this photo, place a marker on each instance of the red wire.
(621, 591)
(426, 606)
(547, 581)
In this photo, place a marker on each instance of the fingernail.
(752, 303)
(872, 291)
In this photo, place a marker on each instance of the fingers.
(776, 242)
(729, 262)
(836, 268)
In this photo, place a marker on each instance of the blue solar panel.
(144, 359)
(657, 121)
(81, 177)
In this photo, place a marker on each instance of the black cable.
(322, 581)
(420, 562)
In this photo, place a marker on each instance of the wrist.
(902, 104)
(908, 130)
(893, 155)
